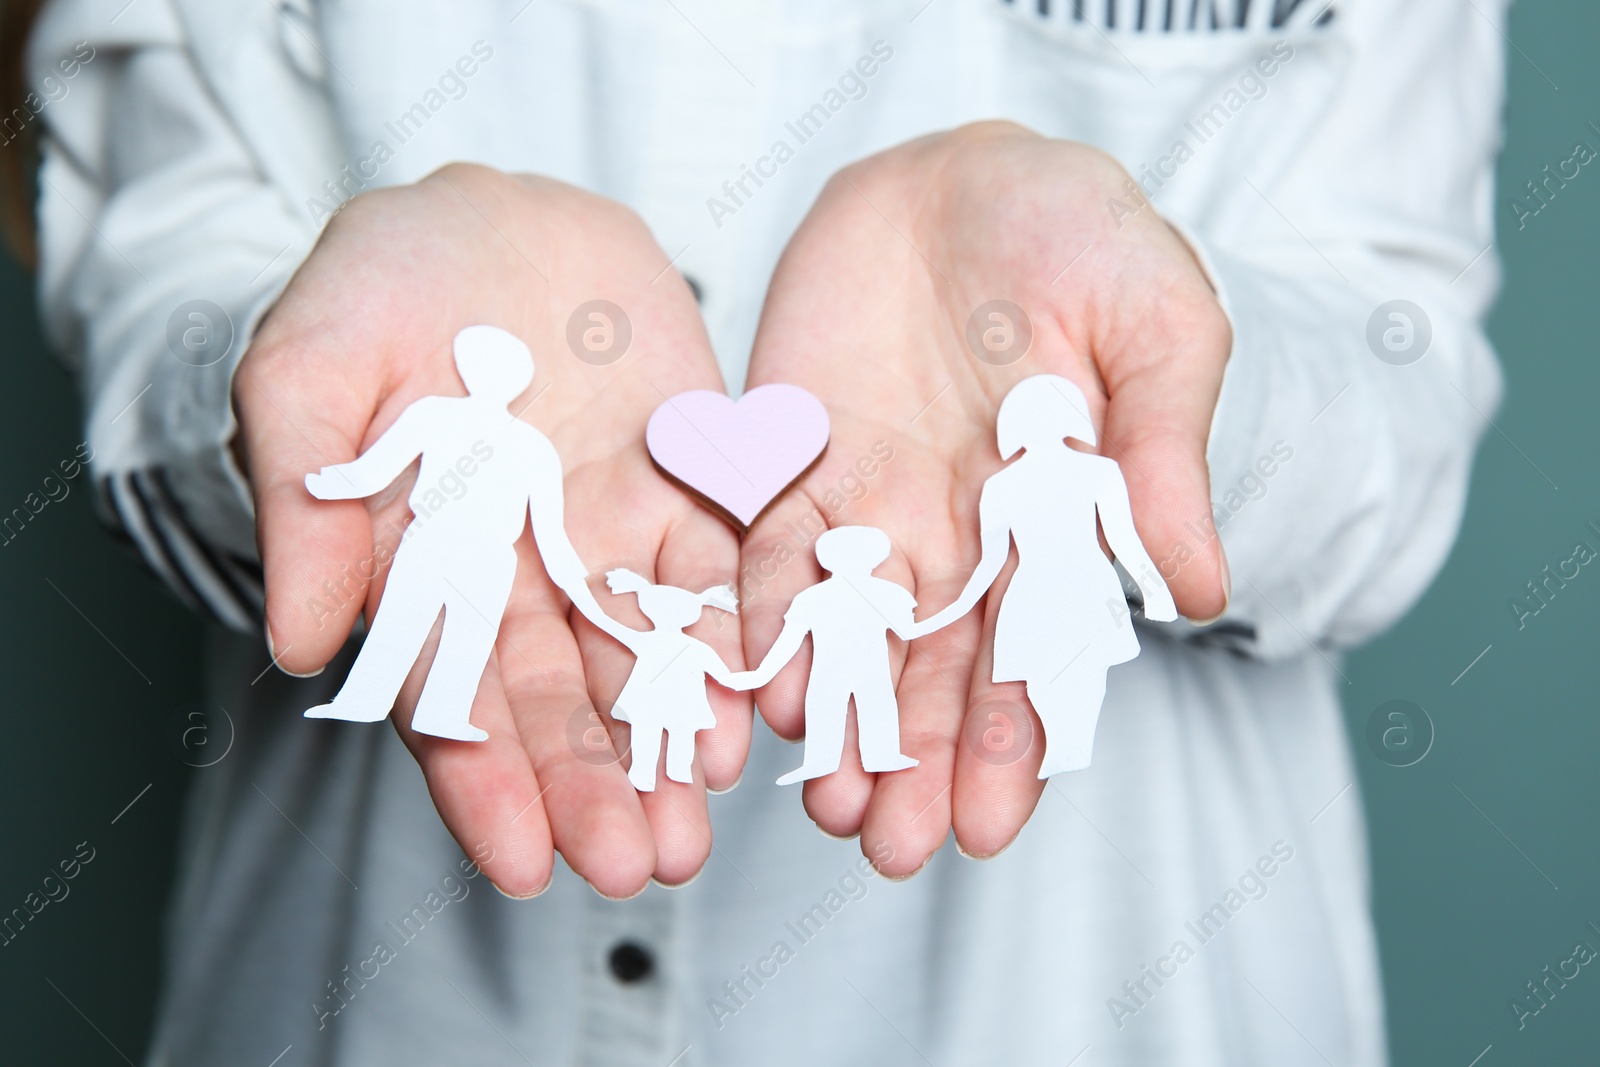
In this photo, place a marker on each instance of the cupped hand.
(364, 329)
(870, 310)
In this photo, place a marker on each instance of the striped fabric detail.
(1182, 16)
(141, 509)
(1236, 638)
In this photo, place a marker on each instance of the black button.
(694, 287)
(631, 962)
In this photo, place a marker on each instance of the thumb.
(1162, 379)
(318, 556)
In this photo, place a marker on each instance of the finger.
(486, 792)
(778, 560)
(909, 815)
(996, 782)
(681, 826)
(596, 822)
(676, 812)
(837, 802)
(311, 550)
(701, 551)
(1163, 377)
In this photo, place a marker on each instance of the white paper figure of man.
(666, 690)
(1063, 620)
(848, 616)
(460, 559)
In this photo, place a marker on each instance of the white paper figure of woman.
(459, 559)
(849, 616)
(1063, 620)
(666, 690)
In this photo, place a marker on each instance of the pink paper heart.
(739, 455)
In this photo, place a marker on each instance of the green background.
(1465, 917)
(1485, 864)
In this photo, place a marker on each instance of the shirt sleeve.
(162, 244)
(1360, 378)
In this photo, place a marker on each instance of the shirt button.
(631, 962)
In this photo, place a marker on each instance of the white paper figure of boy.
(848, 615)
(1063, 620)
(666, 690)
(461, 560)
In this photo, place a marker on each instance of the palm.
(363, 331)
(869, 309)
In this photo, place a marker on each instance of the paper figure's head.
(852, 549)
(667, 606)
(1042, 411)
(494, 364)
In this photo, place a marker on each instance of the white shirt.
(1198, 897)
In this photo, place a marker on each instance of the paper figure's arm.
(547, 514)
(782, 651)
(902, 617)
(996, 533)
(1116, 520)
(379, 465)
(584, 600)
(719, 672)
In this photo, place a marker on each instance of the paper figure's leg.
(474, 601)
(827, 706)
(1069, 709)
(645, 743)
(410, 607)
(878, 727)
(680, 755)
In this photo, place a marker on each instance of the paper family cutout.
(1063, 619)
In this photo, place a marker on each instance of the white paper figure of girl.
(1063, 620)
(666, 691)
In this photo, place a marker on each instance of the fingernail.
(630, 896)
(680, 885)
(272, 653)
(836, 837)
(902, 877)
(984, 855)
(727, 789)
(527, 896)
(1227, 589)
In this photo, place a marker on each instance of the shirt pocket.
(1187, 94)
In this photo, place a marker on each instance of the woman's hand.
(364, 329)
(897, 265)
